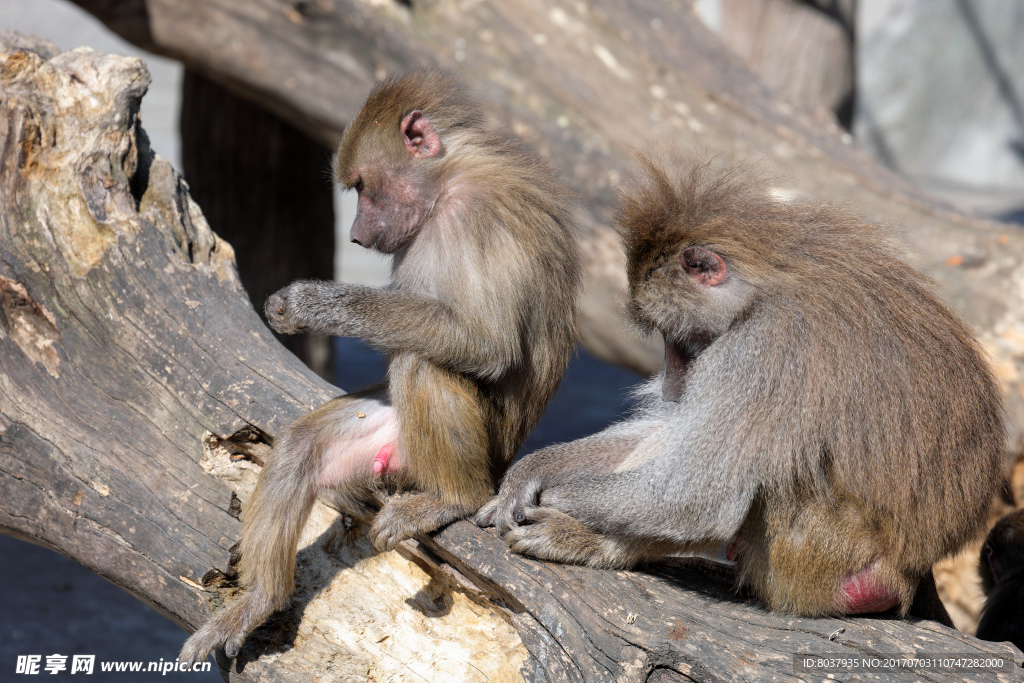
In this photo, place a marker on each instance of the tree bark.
(139, 392)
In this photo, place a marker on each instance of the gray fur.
(834, 417)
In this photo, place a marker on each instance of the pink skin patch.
(864, 593)
(362, 448)
(703, 265)
(860, 593)
(380, 462)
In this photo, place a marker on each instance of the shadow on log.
(139, 390)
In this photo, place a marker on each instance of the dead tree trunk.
(139, 389)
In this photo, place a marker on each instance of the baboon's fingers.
(485, 516)
(233, 646)
(198, 647)
(550, 534)
(545, 537)
(228, 627)
(505, 511)
(411, 515)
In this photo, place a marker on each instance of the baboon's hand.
(391, 526)
(410, 515)
(227, 627)
(507, 510)
(550, 534)
(316, 307)
(485, 515)
(282, 308)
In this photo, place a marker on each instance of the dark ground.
(50, 604)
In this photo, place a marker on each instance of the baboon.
(477, 323)
(822, 412)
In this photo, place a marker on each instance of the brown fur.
(835, 414)
(478, 324)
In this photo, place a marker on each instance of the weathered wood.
(125, 336)
(587, 625)
(138, 388)
(587, 83)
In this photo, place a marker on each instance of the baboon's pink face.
(394, 203)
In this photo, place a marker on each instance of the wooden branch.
(139, 390)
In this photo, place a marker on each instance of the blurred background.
(929, 88)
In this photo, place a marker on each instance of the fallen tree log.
(139, 392)
(587, 83)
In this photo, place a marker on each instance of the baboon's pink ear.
(703, 265)
(421, 138)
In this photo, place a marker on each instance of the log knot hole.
(29, 324)
(236, 460)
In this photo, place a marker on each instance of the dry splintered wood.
(139, 390)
